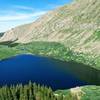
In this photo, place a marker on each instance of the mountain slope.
(76, 26)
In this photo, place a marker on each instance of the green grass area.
(91, 93)
(97, 34)
(6, 52)
(58, 51)
(38, 48)
(49, 49)
(87, 93)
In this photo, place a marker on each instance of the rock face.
(76, 26)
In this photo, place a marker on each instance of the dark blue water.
(42, 70)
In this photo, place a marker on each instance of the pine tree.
(22, 97)
(27, 92)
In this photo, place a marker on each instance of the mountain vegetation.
(26, 92)
(71, 32)
(81, 93)
(33, 91)
(47, 49)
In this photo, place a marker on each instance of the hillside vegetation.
(71, 32)
(80, 93)
(33, 91)
(48, 49)
(26, 92)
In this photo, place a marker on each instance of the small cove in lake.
(46, 71)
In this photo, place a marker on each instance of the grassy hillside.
(49, 49)
(81, 93)
(6, 52)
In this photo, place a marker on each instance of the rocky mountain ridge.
(76, 26)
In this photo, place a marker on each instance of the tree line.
(31, 91)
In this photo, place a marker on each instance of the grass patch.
(91, 93)
(6, 52)
(97, 34)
